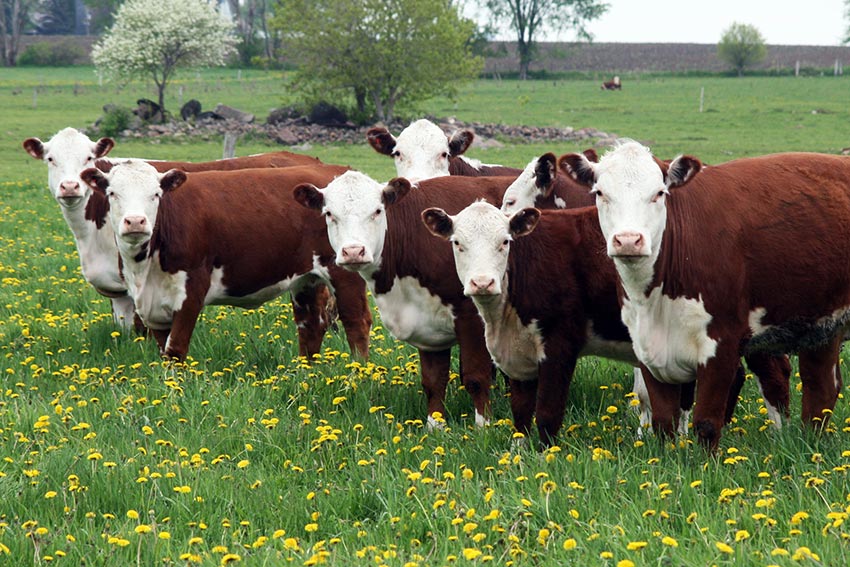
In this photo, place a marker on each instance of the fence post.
(797, 69)
(701, 98)
(229, 145)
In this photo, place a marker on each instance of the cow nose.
(69, 188)
(354, 254)
(482, 285)
(628, 244)
(137, 223)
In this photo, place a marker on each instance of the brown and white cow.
(547, 293)
(424, 151)
(222, 237)
(376, 230)
(70, 151)
(749, 256)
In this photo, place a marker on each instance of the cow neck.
(494, 309)
(136, 263)
(83, 224)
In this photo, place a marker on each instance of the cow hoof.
(707, 434)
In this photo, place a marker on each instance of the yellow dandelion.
(570, 544)
(636, 545)
(723, 548)
(741, 535)
(243, 463)
(669, 541)
(470, 553)
(625, 563)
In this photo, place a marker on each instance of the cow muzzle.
(628, 244)
(135, 227)
(482, 286)
(353, 256)
(69, 192)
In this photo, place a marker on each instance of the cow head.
(66, 154)
(422, 150)
(481, 237)
(536, 183)
(631, 189)
(134, 189)
(354, 206)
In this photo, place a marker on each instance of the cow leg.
(715, 381)
(310, 310)
(686, 404)
(665, 401)
(523, 401)
(123, 311)
(476, 365)
(556, 373)
(435, 378)
(353, 309)
(774, 375)
(184, 321)
(820, 383)
(161, 338)
(734, 393)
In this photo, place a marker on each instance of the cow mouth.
(69, 200)
(353, 266)
(135, 237)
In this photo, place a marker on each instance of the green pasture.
(246, 453)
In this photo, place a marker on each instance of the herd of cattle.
(675, 267)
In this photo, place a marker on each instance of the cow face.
(354, 207)
(631, 189)
(134, 189)
(536, 180)
(67, 154)
(481, 237)
(422, 150)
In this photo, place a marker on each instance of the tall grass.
(110, 456)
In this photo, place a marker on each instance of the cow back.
(272, 159)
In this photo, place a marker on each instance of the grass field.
(108, 456)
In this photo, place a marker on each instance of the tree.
(741, 46)
(14, 17)
(378, 53)
(529, 18)
(153, 38)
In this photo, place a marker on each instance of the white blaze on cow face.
(354, 206)
(67, 154)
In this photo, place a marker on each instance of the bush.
(47, 54)
(115, 121)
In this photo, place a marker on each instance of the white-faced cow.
(547, 293)
(748, 256)
(222, 237)
(70, 151)
(376, 230)
(424, 151)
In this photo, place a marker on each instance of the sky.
(781, 22)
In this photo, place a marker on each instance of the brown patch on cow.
(381, 140)
(34, 147)
(105, 165)
(97, 208)
(270, 159)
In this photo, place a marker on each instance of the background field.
(110, 457)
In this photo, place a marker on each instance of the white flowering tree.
(153, 38)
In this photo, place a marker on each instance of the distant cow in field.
(226, 238)
(424, 151)
(748, 256)
(375, 230)
(612, 85)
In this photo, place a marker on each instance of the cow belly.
(517, 349)
(218, 294)
(670, 336)
(100, 269)
(797, 334)
(414, 315)
(615, 350)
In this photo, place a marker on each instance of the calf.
(612, 85)
(546, 299)
(375, 230)
(222, 237)
(707, 273)
(423, 151)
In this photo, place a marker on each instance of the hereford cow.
(612, 85)
(222, 237)
(423, 151)
(376, 231)
(70, 151)
(546, 299)
(749, 256)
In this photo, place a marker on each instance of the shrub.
(47, 54)
(115, 121)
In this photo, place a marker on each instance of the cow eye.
(110, 194)
(659, 195)
(444, 155)
(396, 154)
(49, 159)
(510, 202)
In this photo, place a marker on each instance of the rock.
(148, 110)
(230, 113)
(280, 115)
(326, 114)
(190, 110)
(286, 136)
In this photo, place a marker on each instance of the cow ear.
(545, 172)
(460, 142)
(591, 155)
(172, 179)
(439, 223)
(103, 147)
(34, 147)
(395, 190)
(94, 178)
(381, 140)
(681, 170)
(579, 168)
(523, 222)
(309, 196)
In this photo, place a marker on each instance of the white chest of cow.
(517, 349)
(414, 315)
(670, 336)
(157, 294)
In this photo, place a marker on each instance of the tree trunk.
(524, 52)
(10, 31)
